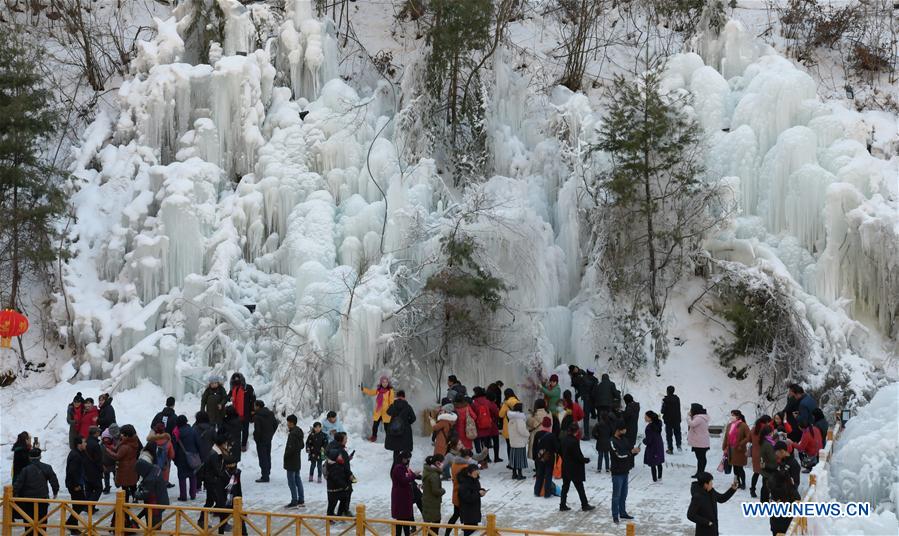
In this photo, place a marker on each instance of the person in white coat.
(518, 441)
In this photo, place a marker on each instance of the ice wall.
(815, 206)
(252, 213)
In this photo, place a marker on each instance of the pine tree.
(460, 28)
(30, 193)
(657, 205)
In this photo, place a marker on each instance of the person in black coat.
(602, 433)
(784, 485)
(107, 412)
(264, 426)
(604, 394)
(293, 461)
(399, 431)
(93, 465)
(213, 400)
(156, 487)
(573, 462)
(214, 475)
(20, 450)
(703, 509)
(672, 418)
(167, 416)
(187, 445)
(587, 381)
(546, 448)
(78, 469)
(631, 417)
(32, 483)
(205, 433)
(339, 476)
(470, 493)
(232, 428)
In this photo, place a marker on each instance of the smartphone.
(352, 454)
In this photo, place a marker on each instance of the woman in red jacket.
(809, 446)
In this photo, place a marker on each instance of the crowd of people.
(465, 431)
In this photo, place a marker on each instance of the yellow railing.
(93, 518)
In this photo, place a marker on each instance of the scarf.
(381, 392)
(732, 433)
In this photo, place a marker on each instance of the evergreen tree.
(30, 193)
(460, 28)
(657, 205)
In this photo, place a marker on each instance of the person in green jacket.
(432, 489)
(552, 393)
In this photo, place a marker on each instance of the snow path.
(658, 508)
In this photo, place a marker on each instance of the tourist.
(332, 425)
(703, 509)
(399, 431)
(736, 436)
(432, 489)
(698, 435)
(486, 415)
(213, 400)
(384, 395)
(264, 426)
(444, 428)
(654, 455)
(552, 393)
(106, 414)
(672, 418)
(166, 416)
(242, 398)
(35, 482)
(631, 416)
(602, 433)
(623, 451)
(546, 448)
(401, 493)
(187, 458)
(470, 493)
(293, 452)
(316, 442)
(73, 418)
(573, 462)
(509, 401)
(518, 441)
(339, 476)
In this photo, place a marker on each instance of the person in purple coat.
(402, 496)
(654, 455)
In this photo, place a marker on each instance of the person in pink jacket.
(698, 435)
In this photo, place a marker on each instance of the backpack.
(161, 455)
(471, 431)
(484, 421)
(396, 428)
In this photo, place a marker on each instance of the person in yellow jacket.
(383, 399)
(508, 403)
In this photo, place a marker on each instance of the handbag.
(557, 469)
(193, 459)
(724, 466)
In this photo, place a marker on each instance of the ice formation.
(217, 229)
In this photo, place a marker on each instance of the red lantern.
(12, 324)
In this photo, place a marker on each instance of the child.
(316, 442)
(331, 425)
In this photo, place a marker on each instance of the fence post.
(7, 509)
(237, 516)
(360, 520)
(631, 529)
(119, 514)
(491, 525)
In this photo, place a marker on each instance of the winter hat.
(547, 424)
(448, 408)
(384, 378)
(78, 398)
(159, 428)
(215, 378)
(114, 431)
(34, 454)
(554, 378)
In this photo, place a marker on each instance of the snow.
(658, 507)
(865, 467)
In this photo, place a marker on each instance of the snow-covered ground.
(659, 508)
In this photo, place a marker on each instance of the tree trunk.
(16, 261)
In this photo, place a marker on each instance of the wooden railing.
(93, 518)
